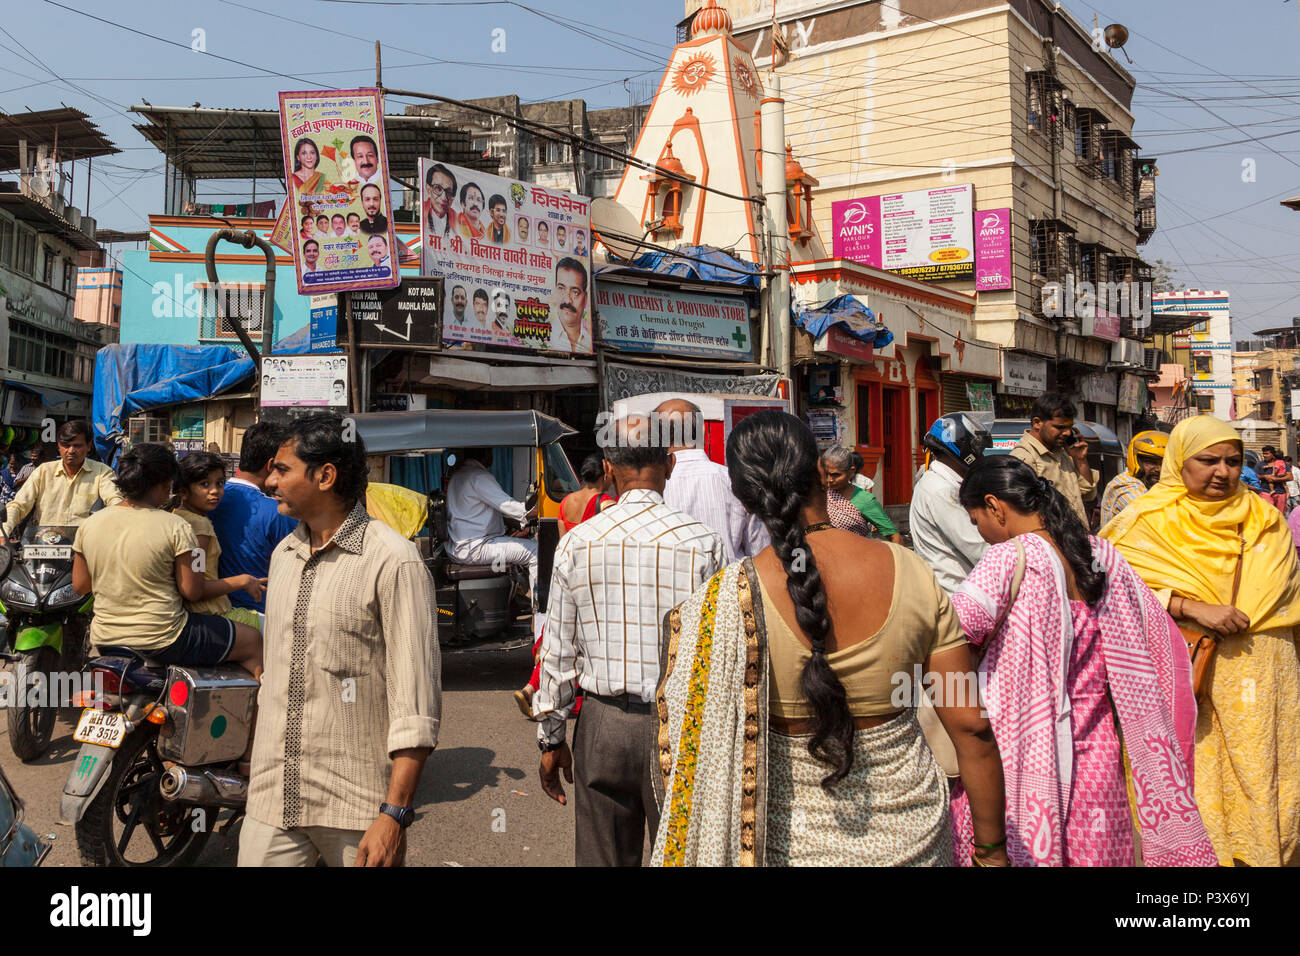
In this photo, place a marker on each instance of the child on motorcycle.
(200, 487)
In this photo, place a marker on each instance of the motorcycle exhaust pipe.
(206, 788)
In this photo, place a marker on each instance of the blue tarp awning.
(850, 315)
(698, 263)
(133, 378)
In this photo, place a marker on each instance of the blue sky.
(1203, 68)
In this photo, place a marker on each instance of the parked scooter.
(45, 632)
(159, 756)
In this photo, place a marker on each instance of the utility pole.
(772, 116)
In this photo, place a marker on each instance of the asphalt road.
(479, 801)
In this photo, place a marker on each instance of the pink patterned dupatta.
(1027, 669)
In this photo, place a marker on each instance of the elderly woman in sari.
(1074, 638)
(783, 736)
(1224, 562)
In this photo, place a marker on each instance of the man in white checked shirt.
(615, 577)
(702, 488)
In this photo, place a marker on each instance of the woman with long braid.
(1075, 639)
(787, 724)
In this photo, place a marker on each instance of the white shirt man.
(942, 533)
(475, 504)
(702, 489)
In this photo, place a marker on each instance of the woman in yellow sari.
(1185, 538)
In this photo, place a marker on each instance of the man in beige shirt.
(1043, 448)
(63, 492)
(351, 693)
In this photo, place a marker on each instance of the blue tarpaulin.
(700, 263)
(848, 313)
(134, 378)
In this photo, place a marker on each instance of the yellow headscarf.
(1152, 444)
(1175, 541)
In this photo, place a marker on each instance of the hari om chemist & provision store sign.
(637, 319)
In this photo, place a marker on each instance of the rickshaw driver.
(475, 505)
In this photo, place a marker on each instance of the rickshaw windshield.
(560, 479)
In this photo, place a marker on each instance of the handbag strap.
(1241, 553)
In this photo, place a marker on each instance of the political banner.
(319, 381)
(336, 162)
(515, 257)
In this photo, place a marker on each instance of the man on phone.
(1052, 448)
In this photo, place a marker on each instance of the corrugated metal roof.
(209, 143)
(77, 137)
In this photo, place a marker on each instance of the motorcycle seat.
(469, 572)
(130, 664)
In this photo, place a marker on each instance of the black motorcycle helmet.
(958, 435)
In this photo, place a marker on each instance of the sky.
(1218, 99)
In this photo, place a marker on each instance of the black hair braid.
(772, 458)
(1015, 483)
(1072, 538)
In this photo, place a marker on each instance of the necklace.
(819, 526)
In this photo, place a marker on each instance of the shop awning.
(850, 315)
(387, 433)
(52, 397)
(698, 263)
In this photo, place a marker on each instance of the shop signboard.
(187, 422)
(1100, 324)
(638, 319)
(980, 396)
(925, 234)
(1023, 375)
(319, 382)
(342, 209)
(1099, 388)
(1131, 393)
(23, 408)
(409, 316)
(516, 259)
(838, 342)
(992, 249)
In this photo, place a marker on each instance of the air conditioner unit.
(1151, 359)
(148, 430)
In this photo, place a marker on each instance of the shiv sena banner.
(516, 259)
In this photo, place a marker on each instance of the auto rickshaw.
(480, 607)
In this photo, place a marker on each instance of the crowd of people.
(1015, 690)
(767, 675)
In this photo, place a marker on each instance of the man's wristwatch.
(405, 816)
(546, 748)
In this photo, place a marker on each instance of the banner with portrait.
(336, 163)
(516, 259)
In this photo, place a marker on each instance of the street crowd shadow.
(459, 773)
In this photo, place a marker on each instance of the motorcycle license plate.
(98, 727)
(49, 552)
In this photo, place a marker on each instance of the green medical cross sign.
(740, 337)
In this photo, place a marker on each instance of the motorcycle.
(47, 623)
(159, 757)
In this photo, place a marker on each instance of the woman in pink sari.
(1081, 642)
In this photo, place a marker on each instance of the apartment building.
(1206, 345)
(1010, 97)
